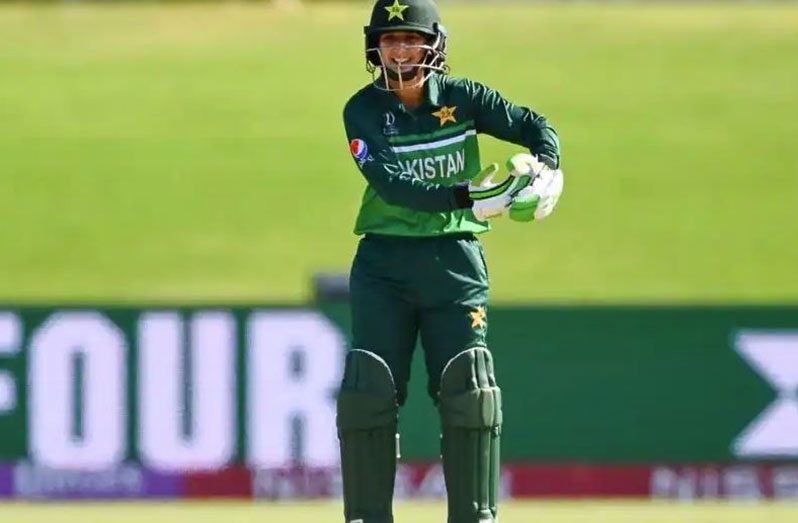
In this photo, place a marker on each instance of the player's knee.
(468, 396)
(367, 398)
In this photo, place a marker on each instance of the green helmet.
(419, 16)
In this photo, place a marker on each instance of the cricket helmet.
(418, 16)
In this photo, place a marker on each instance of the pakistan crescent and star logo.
(478, 317)
(446, 114)
(396, 10)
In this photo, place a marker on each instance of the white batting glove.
(492, 199)
(538, 200)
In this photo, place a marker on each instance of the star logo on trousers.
(478, 318)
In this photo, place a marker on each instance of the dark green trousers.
(402, 288)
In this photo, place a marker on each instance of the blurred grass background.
(196, 152)
(417, 511)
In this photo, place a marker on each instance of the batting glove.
(491, 199)
(536, 201)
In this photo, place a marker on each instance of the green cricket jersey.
(418, 162)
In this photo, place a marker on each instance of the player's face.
(400, 50)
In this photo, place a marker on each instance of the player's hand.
(491, 199)
(536, 201)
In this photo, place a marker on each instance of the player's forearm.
(540, 138)
(403, 190)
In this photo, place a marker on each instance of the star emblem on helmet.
(446, 114)
(396, 10)
(478, 318)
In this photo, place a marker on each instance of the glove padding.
(536, 201)
(492, 199)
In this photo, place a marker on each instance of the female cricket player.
(419, 269)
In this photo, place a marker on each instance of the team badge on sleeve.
(360, 150)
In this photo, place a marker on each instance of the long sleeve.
(380, 167)
(497, 117)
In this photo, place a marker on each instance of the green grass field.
(417, 512)
(196, 152)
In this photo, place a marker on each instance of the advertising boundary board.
(674, 402)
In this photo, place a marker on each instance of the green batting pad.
(470, 408)
(367, 419)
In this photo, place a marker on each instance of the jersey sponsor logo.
(360, 150)
(435, 167)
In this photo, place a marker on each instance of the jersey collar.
(434, 89)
